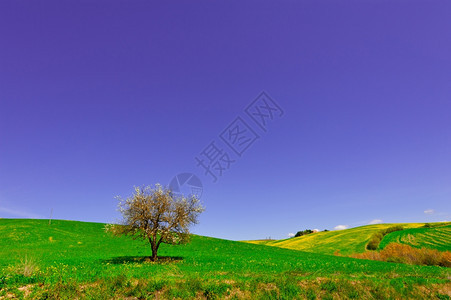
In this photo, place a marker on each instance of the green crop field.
(346, 242)
(434, 238)
(69, 259)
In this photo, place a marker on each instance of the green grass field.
(79, 260)
(434, 238)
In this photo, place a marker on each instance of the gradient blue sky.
(99, 96)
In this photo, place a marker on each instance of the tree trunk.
(154, 247)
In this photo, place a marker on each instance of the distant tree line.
(305, 232)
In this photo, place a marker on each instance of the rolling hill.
(70, 259)
(353, 240)
(433, 238)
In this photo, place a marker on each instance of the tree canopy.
(157, 215)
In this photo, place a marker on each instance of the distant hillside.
(354, 240)
(434, 238)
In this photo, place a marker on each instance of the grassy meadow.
(69, 259)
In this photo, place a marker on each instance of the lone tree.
(157, 215)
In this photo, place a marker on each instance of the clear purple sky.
(99, 96)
